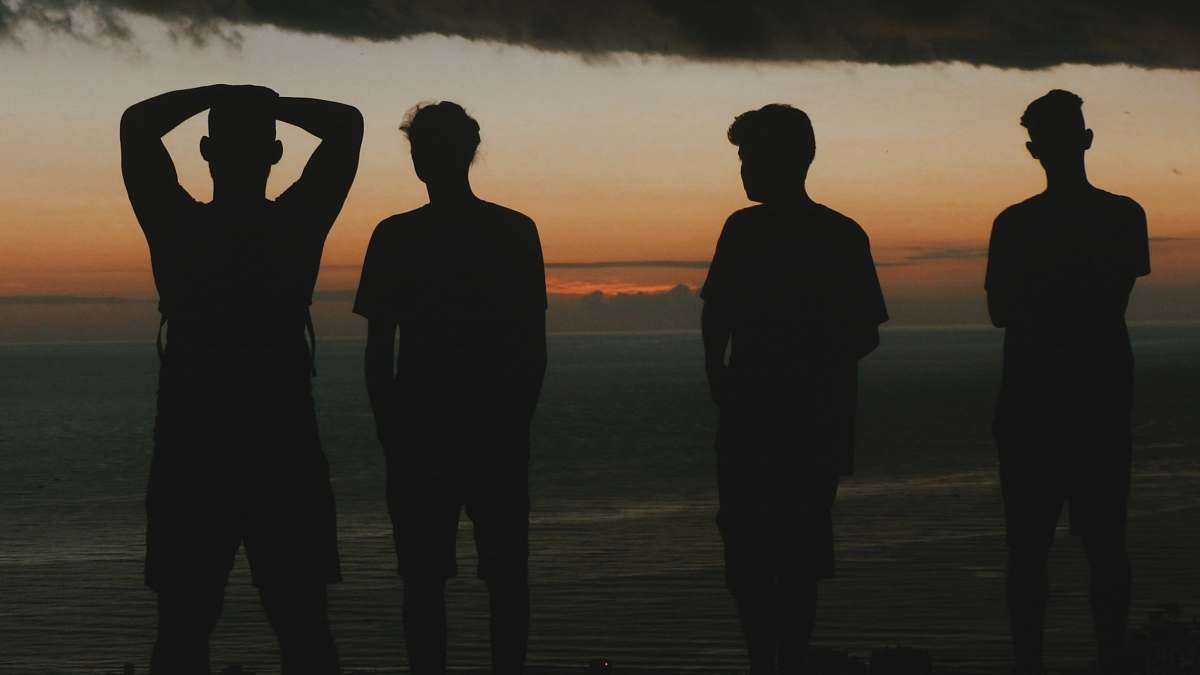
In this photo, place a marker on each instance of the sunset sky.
(619, 158)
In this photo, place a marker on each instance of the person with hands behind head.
(237, 456)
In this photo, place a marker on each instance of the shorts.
(1089, 471)
(776, 481)
(429, 482)
(238, 465)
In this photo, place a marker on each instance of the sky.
(620, 158)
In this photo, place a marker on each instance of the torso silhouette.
(462, 283)
(1060, 270)
(797, 282)
(235, 284)
(792, 279)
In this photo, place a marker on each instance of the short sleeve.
(536, 272)
(868, 295)
(719, 284)
(999, 259)
(377, 292)
(1137, 245)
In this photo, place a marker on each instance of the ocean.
(625, 556)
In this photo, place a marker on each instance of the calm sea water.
(625, 556)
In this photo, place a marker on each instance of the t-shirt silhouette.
(796, 281)
(462, 282)
(1060, 269)
(237, 279)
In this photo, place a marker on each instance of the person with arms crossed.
(1061, 266)
(237, 455)
(460, 284)
(792, 294)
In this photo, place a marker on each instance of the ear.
(1088, 136)
(205, 144)
(1031, 148)
(277, 151)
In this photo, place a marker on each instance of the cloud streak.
(1027, 34)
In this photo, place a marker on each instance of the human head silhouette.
(776, 145)
(241, 147)
(443, 139)
(1058, 136)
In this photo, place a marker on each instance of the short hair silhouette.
(775, 126)
(443, 127)
(242, 120)
(1056, 112)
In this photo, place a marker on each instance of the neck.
(1072, 178)
(795, 196)
(457, 192)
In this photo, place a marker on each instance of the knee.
(190, 612)
(1027, 563)
(297, 613)
(424, 591)
(1107, 558)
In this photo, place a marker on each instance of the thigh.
(1099, 495)
(498, 504)
(289, 517)
(776, 498)
(192, 509)
(1034, 482)
(424, 508)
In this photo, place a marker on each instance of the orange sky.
(617, 160)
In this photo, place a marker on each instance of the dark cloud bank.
(1010, 34)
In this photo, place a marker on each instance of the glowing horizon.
(621, 159)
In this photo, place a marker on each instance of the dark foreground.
(1167, 644)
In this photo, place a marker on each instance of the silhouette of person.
(461, 282)
(792, 293)
(1060, 269)
(237, 457)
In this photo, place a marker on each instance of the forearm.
(379, 368)
(716, 331)
(155, 117)
(323, 119)
(380, 381)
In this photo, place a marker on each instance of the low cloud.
(625, 264)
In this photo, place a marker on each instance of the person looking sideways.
(792, 294)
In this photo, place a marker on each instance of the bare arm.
(533, 360)
(330, 171)
(716, 329)
(149, 173)
(1003, 280)
(379, 365)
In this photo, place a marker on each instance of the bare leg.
(1110, 590)
(756, 605)
(186, 619)
(300, 618)
(1028, 592)
(425, 624)
(797, 611)
(509, 623)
